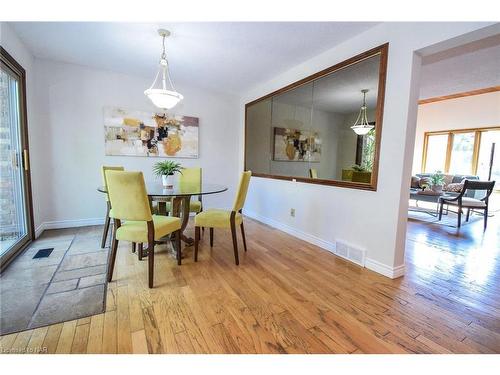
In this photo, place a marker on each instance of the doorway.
(16, 214)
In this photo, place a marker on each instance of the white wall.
(374, 221)
(15, 47)
(478, 111)
(70, 101)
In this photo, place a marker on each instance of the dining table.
(179, 196)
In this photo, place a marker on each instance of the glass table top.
(156, 189)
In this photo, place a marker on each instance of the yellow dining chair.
(215, 218)
(190, 176)
(313, 173)
(129, 199)
(107, 219)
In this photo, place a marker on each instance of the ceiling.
(222, 56)
(468, 67)
(339, 92)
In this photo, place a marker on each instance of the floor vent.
(351, 253)
(43, 253)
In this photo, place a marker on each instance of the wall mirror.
(323, 129)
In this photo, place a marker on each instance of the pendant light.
(162, 97)
(361, 126)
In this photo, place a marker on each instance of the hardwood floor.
(288, 296)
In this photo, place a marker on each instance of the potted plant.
(437, 182)
(166, 169)
(360, 174)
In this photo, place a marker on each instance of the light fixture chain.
(163, 53)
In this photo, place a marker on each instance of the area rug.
(68, 284)
(449, 220)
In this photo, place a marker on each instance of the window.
(463, 152)
(436, 158)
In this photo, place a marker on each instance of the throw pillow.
(455, 187)
(448, 179)
(415, 182)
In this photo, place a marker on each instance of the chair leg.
(112, 257)
(196, 242)
(151, 263)
(468, 214)
(459, 217)
(485, 218)
(235, 242)
(178, 246)
(211, 237)
(107, 221)
(140, 252)
(243, 235)
(133, 247)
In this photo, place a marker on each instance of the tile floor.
(69, 284)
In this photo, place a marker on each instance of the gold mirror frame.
(380, 50)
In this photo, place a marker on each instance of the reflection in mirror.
(293, 143)
(324, 129)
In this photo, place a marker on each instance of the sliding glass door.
(488, 167)
(16, 228)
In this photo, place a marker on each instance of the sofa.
(449, 179)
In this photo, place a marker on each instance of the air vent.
(350, 253)
(43, 253)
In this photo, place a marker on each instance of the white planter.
(437, 188)
(168, 181)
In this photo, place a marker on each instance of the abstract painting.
(139, 133)
(296, 145)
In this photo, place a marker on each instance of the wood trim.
(318, 181)
(466, 130)
(424, 153)
(449, 146)
(383, 51)
(12, 64)
(459, 95)
(475, 153)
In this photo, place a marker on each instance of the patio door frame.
(10, 64)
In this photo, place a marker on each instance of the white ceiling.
(226, 57)
(464, 68)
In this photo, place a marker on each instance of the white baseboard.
(391, 272)
(293, 231)
(73, 224)
(39, 230)
(67, 224)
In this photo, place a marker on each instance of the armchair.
(463, 200)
